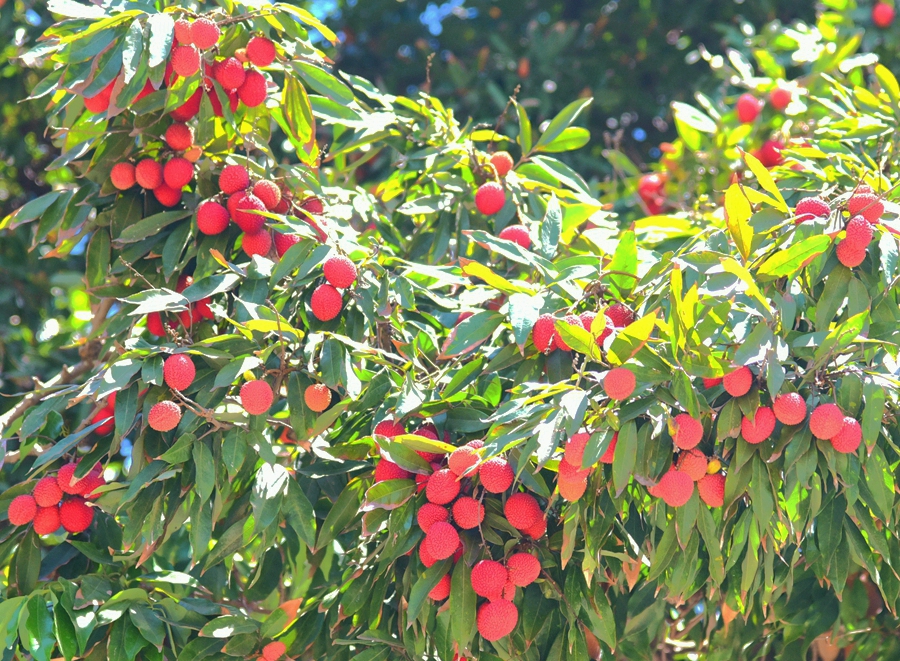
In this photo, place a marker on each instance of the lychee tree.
(403, 395)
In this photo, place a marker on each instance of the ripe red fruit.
(313, 205)
(619, 383)
(178, 172)
(205, 33)
(760, 428)
(179, 371)
(468, 513)
(429, 514)
(442, 487)
(537, 530)
(882, 15)
(100, 102)
(256, 397)
(522, 511)
(850, 255)
(587, 321)
(75, 515)
(90, 483)
(780, 98)
(490, 198)
(571, 490)
(164, 416)
(523, 569)
(183, 32)
(317, 397)
(867, 205)
(166, 195)
(229, 73)
(712, 490)
(242, 207)
(47, 492)
(122, 176)
(234, 178)
(826, 421)
(688, 431)
(260, 51)
(425, 556)
(770, 153)
(442, 589)
(389, 428)
(202, 309)
(748, 108)
(620, 314)
(738, 382)
(189, 108)
(810, 208)
(859, 233)
(254, 89)
(326, 302)
(339, 271)
(212, 218)
(675, 488)
(711, 383)
(441, 540)
(257, 244)
(849, 437)
(283, 243)
(571, 320)
(496, 475)
(46, 520)
(574, 450)
(789, 408)
(502, 163)
(185, 60)
(22, 510)
(104, 415)
(489, 577)
(388, 470)
(694, 463)
(607, 457)
(155, 324)
(179, 136)
(268, 192)
(569, 473)
(149, 174)
(544, 334)
(273, 651)
(497, 619)
(650, 185)
(462, 459)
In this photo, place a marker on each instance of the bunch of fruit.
(60, 500)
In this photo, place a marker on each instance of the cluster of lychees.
(156, 321)
(546, 338)
(58, 501)
(572, 474)
(453, 504)
(491, 196)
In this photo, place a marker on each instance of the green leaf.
(472, 332)
(324, 83)
(873, 413)
(150, 225)
(36, 628)
(204, 471)
(27, 563)
(572, 138)
(836, 287)
(340, 515)
(227, 626)
(97, 258)
(690, 116)
(765, 180)
(525, 135)
(737, 216)
(162, 32)
(787, 263)
(562, 121)
(551, 227)
(269, 491)
(463, 605)
(629, 340)
(299, 513)
(388, 495)
(625, 455)
(624, 262)
(424, 585)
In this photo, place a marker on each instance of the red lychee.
(850, 255)
(574, 450)
(607, 457)
(243, 208)
(760, 428)
(496, 475)
(694, 463)
(257, 244)
(46, 520)
(688, 431)
(619, 383)
(441, 540)
(502, 163)
(883, 15)
(780, 98)
(104, 416)
(490, 198)
(571, 491)
(189, 108)
(75, 515)
(489, 578)
(462, 459)
(569, 473)
(826, 421)
(164, 416)
(178, 172)
(185, 60)
(22, 510)
(212, 218)
(254, 90)
(317, 397)
(268, 192)
(620, 314)
(256, 397)
(388, 470)
(429, 514)
(100, 102)
(229, 73)
(544, 334)
(522, 511)
(389, 428)
(326, 302)
(537, 530)
(183, 31)
(155, 324)
(748, 108)
(711, 383)
(442, 487)
(712, 489)
(166, 195)
(517, 234)
(442, 589)
(859, 233)
(424, 555)
(283, 243)
(810, 208)
(179, 371)
(260, 51)
(179, 136)
(738, 382)
(234, 178)
(867, 205)
(273, 651)
(468, 513)
(675, 488)
(122, 176)
(497, 619)
(47, 492)
(848, 438)
(148, 173)
(789, 408)
(205, 33)
(523, 569)
(339, 271)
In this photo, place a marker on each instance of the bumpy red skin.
(256, 397)
(497, 619)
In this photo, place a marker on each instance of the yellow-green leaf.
(765, 180)
(785, 263)
(737, 215)
(630, 339)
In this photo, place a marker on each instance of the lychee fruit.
(810, 208)
(442, 487)
(166, 195)
(257, 244)
(620, 314)
(468, 513)
(178, 172)
(544, 334)
(675, 488)
(230, 74)
(607, 457)
(179, 136)
(268, 192)
(254, 89)
(317, 397)
(537, 530)
(46, 520)
(497, 619)
(867, 205)
(242, 212)
(47, 492)
(760, 428)
(75, 515)
(859, 232)
(502, 163)
(234, 178)
(273, 651)
(883, 14)
(189, 108)
(179, 371)
(518, 234)
(205, 33)
(441, 540)
(711, 383)
(260, 51)
(587, 321)
(826, 421)
(847, 439)
(712, 489)
(462, 459)
(339, 271)
(212, 218)
(694, 463)
(22, 510)
(748, 108)
(326, 302)
(496, 475)
(523, 569)
(574, 450)
(283, 242)
(522, 511)
(388, 470)
(104, 416)
(164, 416)
(619, 383)
(490, 198)
(148, 173)
(425, 556)
(688, 431)
(185, 60)
(389, 428)
(123, 176)
(571, 491)
(183, 31)
(850, 255)
(738, 382)
(789, 408)
(780, 98)
(430, 514)
(489, 578)
(100, 102)
(442, 589)
(256, 397)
